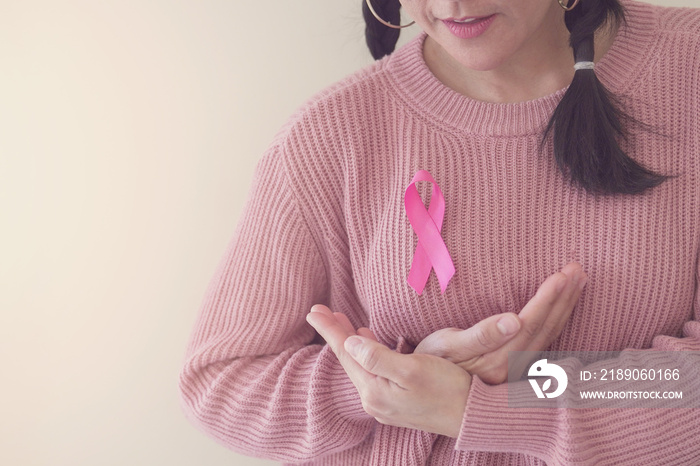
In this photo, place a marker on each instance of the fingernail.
(507, 325)
(352, 345)
(314, 308)
(310, 318)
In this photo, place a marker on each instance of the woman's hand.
(418, 391)
(483, 349)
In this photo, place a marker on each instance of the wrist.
(456, 417)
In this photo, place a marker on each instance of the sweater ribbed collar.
(619, 70)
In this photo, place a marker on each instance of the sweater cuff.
(490, 424)
(332, 383)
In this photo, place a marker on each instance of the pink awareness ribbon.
(431, 251)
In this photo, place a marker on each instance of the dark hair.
(588, 123)
(381, 40)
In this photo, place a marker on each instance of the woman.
(548, 227)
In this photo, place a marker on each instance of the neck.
(529, 75)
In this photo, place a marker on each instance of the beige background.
(129, 130)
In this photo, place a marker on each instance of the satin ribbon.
(431, 251)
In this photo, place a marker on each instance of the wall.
(129, 131)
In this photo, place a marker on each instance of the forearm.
(293, 406)
(600, 435)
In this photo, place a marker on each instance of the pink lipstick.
(469, 28)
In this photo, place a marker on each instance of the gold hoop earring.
(565, 5)
(374, 13)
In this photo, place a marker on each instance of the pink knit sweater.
(325, 223)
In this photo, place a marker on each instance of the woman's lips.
(471, 29)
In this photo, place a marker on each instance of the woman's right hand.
(482, 349)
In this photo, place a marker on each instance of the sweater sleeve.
(254, 378)
(592, 435)
(595, 436)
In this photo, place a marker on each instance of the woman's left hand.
(418, 391)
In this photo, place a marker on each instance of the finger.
(379, 360)
(563, 307)
(345, 322)
(570, 297)
(544, 299)
(542, 320)
(463, 345)
(545, 308)
(549, 301)
(329, 328)
(546, 314)
(335, 335)
(339, 317)
(322, 309)
(489, 334)
(367, 333)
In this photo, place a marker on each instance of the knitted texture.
(325, 223)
